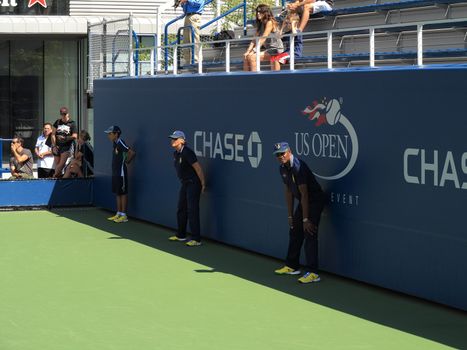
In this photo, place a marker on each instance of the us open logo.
(332, 142)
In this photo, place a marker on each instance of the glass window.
(60, 79)
(5, 125)
(26, 89)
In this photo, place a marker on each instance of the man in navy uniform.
(300, 184)
(191, 176)
(122, 155)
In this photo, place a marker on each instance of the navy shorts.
(119, 185)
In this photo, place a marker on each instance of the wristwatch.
(305, 220)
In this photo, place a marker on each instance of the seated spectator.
(43, 150)
(64, 135)
(265, 25)
(21, 162)
(310, 7)
(289, 26)
(82, 164)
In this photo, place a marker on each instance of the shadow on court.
(408, 314)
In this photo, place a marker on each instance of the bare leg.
(275, 65)
(61, 163)
(307, 9)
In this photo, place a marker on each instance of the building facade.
(43, 57)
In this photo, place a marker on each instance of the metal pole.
(130, 49)
(292, 52)
(329, 50)
(200, 59)
(420, 45)
(158, 39)
(372, 47)
(258, 61)
(175, 64)
(227, 56)
(218, 14)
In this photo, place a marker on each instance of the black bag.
(223, 35)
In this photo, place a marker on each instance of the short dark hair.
(86, 136)
(20, 140)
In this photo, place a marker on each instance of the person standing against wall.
(122, 155)
(191, 176)
(193, 9)
(300, 184)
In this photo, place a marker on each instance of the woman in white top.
(43, 150)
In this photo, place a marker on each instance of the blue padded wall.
(46, 192)
(390, 151)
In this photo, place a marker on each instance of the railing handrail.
(419, 27)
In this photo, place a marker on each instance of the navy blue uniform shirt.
(183, 162)
(299, 174)
(119, 155)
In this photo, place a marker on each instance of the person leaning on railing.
(21, 162)
(266, 25)
(310, 7)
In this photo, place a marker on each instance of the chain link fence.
(110, 44)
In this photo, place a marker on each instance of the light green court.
(70, 279)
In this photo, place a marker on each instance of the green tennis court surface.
(72, 280)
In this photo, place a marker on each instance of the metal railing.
(167, 45)
(330, 37)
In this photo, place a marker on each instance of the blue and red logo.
(333, 143)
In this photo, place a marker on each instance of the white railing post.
(372, 47)
(175, 60)
(200, 59)
(292, 52)
(227, 56)
(258, 51)
(329, 50)
(151, 60)
(420, 44)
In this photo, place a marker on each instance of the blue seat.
(399, 5)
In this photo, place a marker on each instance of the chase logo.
(332, 141)
(229, 146)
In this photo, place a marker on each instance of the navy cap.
(280, 147)
(113, 128)
(177, 134)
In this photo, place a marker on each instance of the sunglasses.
(280, 154)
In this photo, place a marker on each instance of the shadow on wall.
(407, 314)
